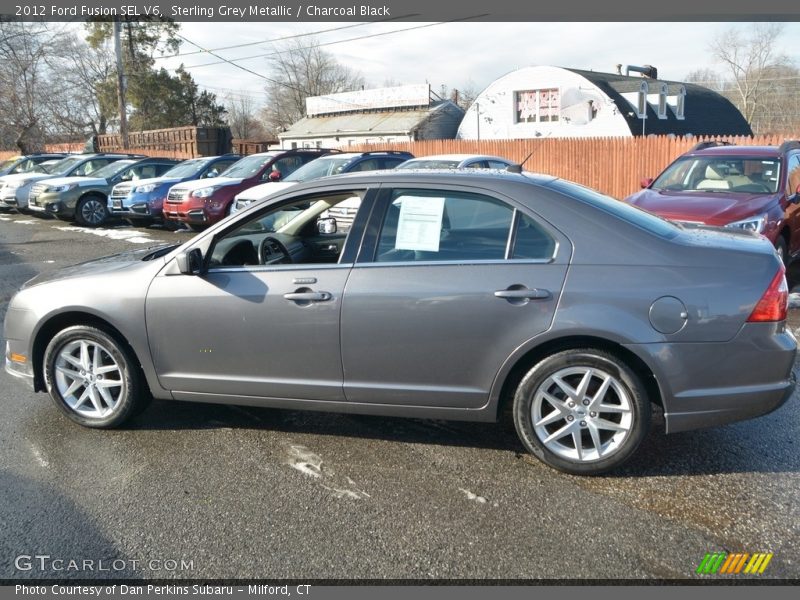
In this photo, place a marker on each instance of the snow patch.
(474, 497)
(132, 236)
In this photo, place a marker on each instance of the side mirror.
(327, 225)
(646, 183)
(212, 173)
(190, 262)
(275, 176)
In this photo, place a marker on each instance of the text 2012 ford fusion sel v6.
(449, 296)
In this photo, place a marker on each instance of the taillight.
(774, 302)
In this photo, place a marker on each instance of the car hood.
(197, 184)
(264, 190)
(23, 178)
(712, 208)
(156, 180)
(130, 260)
(82, 181)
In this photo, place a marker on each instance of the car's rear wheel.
(582, 411)
(91, 211)
(93, 378)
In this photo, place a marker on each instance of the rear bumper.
(751, 375)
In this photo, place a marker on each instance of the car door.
(448, 284)
(244, 329)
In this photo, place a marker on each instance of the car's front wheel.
(582, 411)
(91, 211)
(93, 378)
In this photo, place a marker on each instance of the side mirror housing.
(275, 176)
(190, 262)
(327, 225)
(647, 182)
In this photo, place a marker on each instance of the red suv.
(202, 202)
(745, 187)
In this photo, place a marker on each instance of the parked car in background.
(14, 189)
(457, 161)
(741, 187)
(85, 199)
(332, 164)
(199, 204)
(27, 163)
(141, 202)
(454, 295)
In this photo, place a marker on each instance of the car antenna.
(517, 168)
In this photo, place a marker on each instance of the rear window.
(631, 214)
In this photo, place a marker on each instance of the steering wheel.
(272, 251)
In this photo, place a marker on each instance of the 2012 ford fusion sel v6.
(451, 295)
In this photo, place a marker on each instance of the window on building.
(642, 105)
(662, 102)
(537, 106)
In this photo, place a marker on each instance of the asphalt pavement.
(203, 491)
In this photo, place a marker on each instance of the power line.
(288, 37)
(362, 37)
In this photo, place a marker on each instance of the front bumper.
(752, 375)
(22, 371)
(54, 203)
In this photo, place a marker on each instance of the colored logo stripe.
(732, 564)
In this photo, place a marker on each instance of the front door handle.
(522, 294)
(308, 296)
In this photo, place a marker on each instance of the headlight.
(62, 188)
(204, 192)
(145, 189)
(756, 224)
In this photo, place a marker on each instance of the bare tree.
(300, 69)
(241, 118)
(465, 96)
(748, 59)
(24, 49)
(707, 78)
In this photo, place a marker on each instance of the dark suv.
(85, 199)
(744, 187)
(201, 203)
(332, 164)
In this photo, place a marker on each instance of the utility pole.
(123, 117)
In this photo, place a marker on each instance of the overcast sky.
(455, 54)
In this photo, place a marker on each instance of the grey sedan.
(452, 295)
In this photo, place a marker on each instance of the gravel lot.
(243, 492)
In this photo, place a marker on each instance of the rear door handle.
(308, 296)
(523, 294)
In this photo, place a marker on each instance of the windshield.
(7, 163)
(65, 165)
(430, 164)
(247, 167)
(187, 168)
(720, 174)
(110, 170)
(319, 168)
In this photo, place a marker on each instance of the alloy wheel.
(89, 379)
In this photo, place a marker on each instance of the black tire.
(129, 397)
(91, 211)
(626, 391)
(782, 248)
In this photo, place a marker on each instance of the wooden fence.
(614, 166)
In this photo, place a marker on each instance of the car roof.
(766, 151)
(458, 157)
(432, 176)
